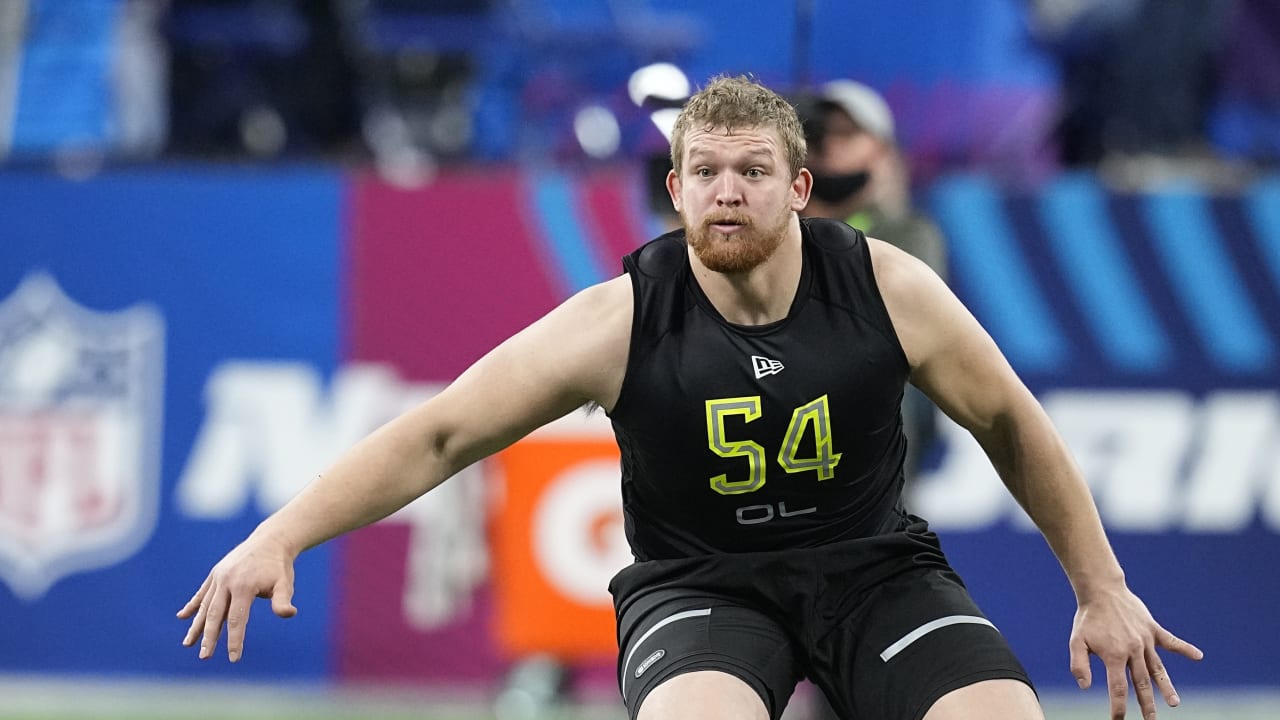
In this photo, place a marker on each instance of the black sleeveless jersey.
(745, 438)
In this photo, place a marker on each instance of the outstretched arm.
(574, 355)
(956, 363)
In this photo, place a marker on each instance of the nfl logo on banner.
(80, 406)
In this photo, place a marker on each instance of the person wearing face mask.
(860, 175)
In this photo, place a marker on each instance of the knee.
(703, 695)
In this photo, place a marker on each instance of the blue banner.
(1148, 324)
(120, 297)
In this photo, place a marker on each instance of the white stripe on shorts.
(929, 627)
(657, 626)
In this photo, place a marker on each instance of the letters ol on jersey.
(80, 405)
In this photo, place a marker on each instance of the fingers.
(237, 620)
(1169, 641)
(1117, 689)
(215, 610)
(194, 603)
(282, 599)
(197, 624)
(1146, 672)
(1080, 663)
(220, 606)
(1160, 676)
(1140, 674)
(227, 595)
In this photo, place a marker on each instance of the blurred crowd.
(1141, 86)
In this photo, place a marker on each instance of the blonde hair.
(739, 103)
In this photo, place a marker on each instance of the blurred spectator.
(260, 77)
(1137, 75)
(860, 175)
(81, 82)
(141, 74)
(416, 64)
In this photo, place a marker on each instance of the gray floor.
(43, 698)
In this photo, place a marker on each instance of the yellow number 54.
(816, 413)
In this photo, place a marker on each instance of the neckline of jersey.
(797, 302)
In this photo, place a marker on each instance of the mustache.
(726, 219)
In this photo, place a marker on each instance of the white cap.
(867, 108)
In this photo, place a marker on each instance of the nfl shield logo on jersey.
(80, 406)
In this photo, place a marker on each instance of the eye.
(755, 173)
(703, 172)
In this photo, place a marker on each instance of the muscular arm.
(956, 363)
(574, 355)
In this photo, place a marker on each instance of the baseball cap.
(865, 106)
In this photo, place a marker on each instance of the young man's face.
(736, 196)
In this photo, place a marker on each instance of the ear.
(673, 189)
(800, 189)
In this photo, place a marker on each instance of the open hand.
(255, 568)
(1118, 628)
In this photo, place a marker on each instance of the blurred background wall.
(236, 235)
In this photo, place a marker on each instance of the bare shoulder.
(575, 354)
(920, 305)
(592, 333)
(898, 272)
(953, 359)
(609, 299)
(600, 314)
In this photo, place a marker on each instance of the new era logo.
(764, 366)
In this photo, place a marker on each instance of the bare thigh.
(703, 695)
(987, 700)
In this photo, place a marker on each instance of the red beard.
(737, 253)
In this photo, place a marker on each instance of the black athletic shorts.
(882, 625)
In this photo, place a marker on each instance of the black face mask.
(833, 189)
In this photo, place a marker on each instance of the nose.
(729, 193)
